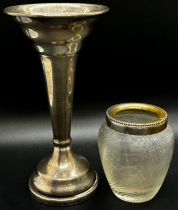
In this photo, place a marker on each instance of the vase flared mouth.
(136, 118)
(56, 10)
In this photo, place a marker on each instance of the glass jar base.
(132, 198)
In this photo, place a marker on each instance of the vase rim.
(56, 10)
(136, 118)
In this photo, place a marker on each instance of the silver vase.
(56, 30)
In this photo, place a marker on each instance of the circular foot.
(61, 201)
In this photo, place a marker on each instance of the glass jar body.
(135, 165)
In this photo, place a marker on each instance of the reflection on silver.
(33, 34)
(47, 66)
(39, 48)
(25, 20)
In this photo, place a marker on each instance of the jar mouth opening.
(136, 118)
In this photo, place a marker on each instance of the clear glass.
(135, 165)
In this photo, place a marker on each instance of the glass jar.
(136, 146)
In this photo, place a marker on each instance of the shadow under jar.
(136, 146)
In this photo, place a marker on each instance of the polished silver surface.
(57, 30)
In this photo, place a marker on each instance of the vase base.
(64, 201)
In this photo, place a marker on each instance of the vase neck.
(58, 49)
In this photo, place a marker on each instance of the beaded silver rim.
(155, 126)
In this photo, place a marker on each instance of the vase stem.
(59, 73)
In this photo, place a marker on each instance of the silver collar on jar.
(136, 118)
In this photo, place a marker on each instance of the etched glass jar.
(136, 146)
